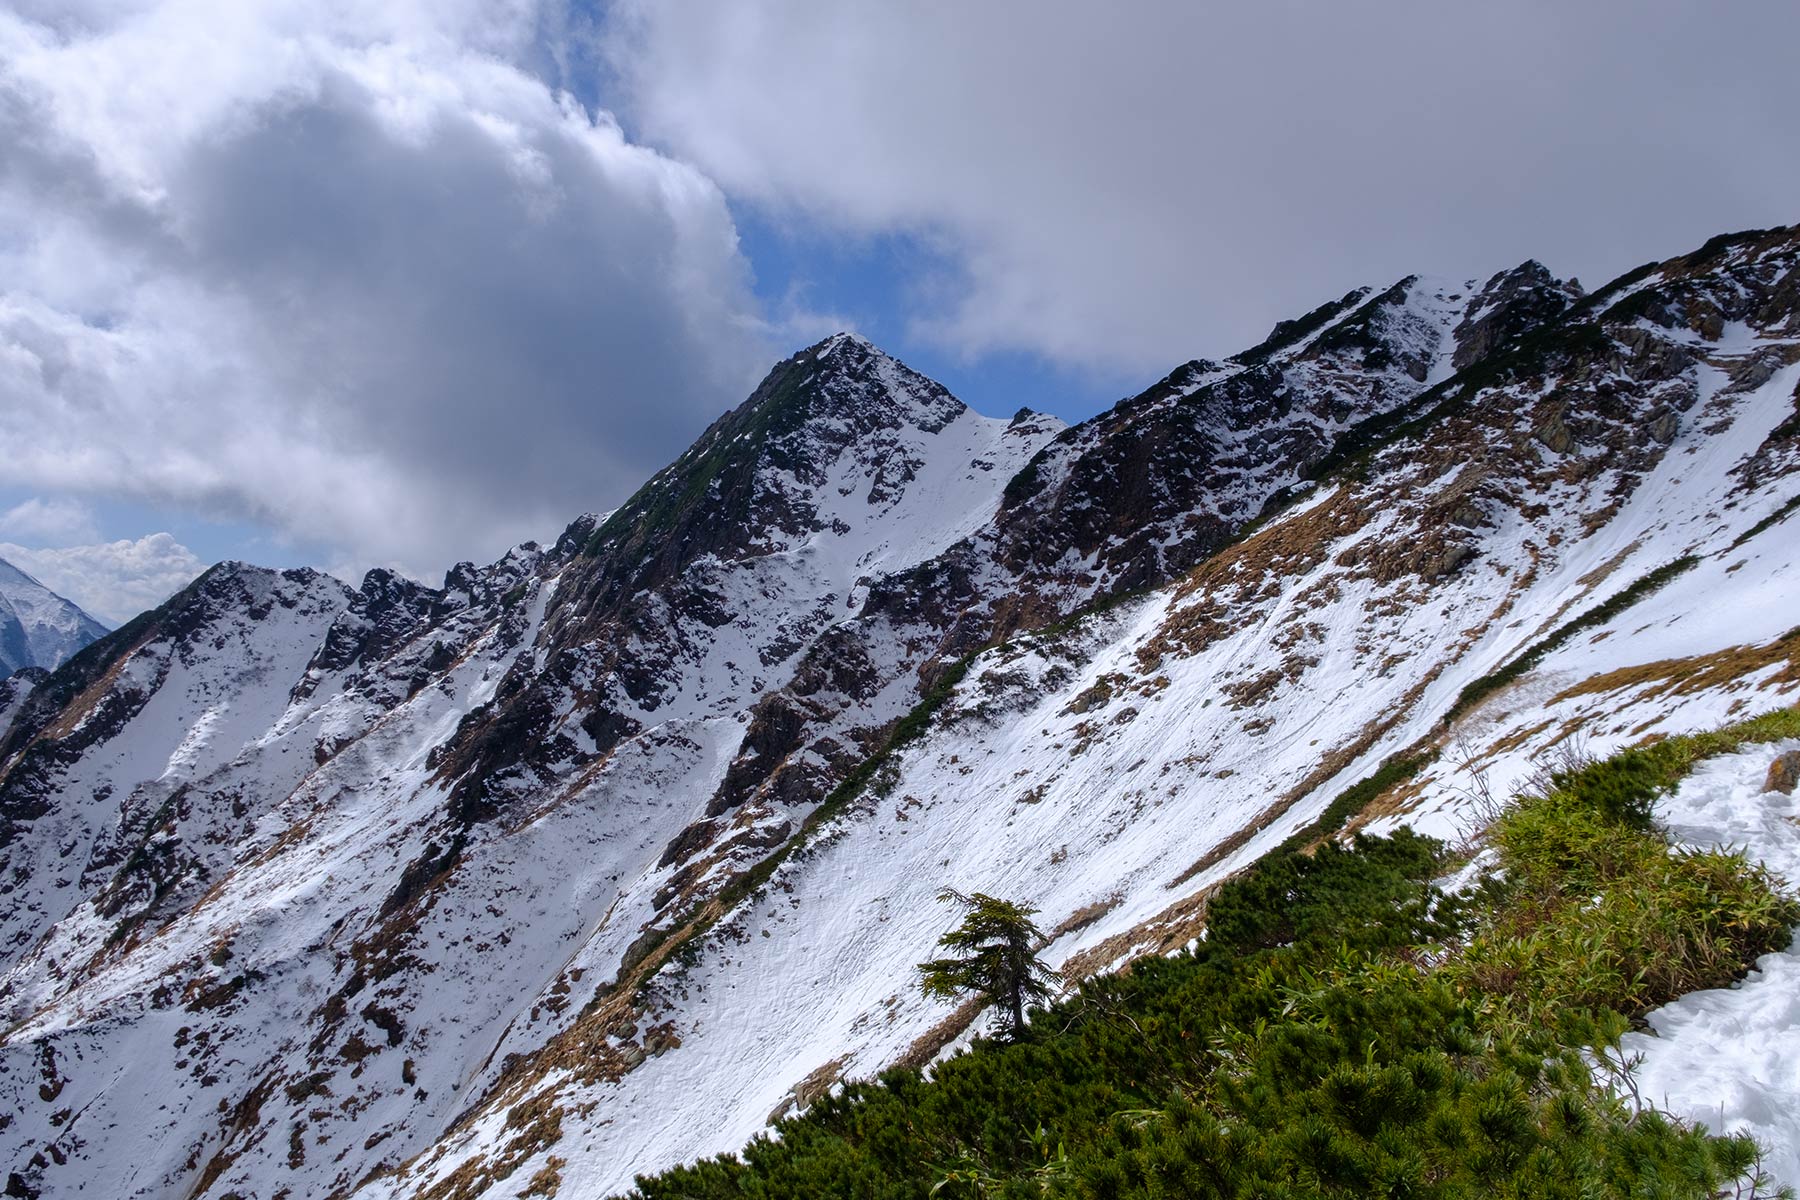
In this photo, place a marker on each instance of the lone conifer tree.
(993, 957)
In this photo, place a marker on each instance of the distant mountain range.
(38, 628)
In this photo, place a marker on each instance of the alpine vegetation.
(1347, 1028)
(995, 960)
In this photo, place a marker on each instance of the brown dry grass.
(1725, 669)
(79, 709)
(818, 1081)
(1218, 590)
(537, 1125)
(1170, 929)
(931, 1043)
(1330, 764)
(1084, 916)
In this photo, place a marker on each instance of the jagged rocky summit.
(598, 858)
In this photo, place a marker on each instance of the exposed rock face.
(1784, 773)
(15, 689)
(1554, 432)
(1510, 305)
(382, 616)
(405, 890)
(842, 466)
(223, 651)
(1130, 499)
(1142, 492)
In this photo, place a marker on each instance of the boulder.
(1784, 773)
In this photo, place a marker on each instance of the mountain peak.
(607, 854)
(847, 341)
(842, 382)
(38, 628)
(1509, 304)
(836, 418)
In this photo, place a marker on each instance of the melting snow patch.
(1730, 1057)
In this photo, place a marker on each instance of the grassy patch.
(1595, 912)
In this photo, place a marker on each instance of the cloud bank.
(41, 520)
(1143, 182)
(350, 271)
(365, 277)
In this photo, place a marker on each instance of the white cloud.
(346, 270)
(114, 581)
(39, 520)
(1134, 184)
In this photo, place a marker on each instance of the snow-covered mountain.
(596, 859)
(38, 628)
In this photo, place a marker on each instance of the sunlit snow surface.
(1730, 1057)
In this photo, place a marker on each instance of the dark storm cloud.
(1142, 182)
(512, 323)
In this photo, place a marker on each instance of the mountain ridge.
(598, 854)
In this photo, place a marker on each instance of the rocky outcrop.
(1510, 305)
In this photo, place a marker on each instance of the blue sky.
(872, 281)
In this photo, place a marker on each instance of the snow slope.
(252, 795)
(1111, 773)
